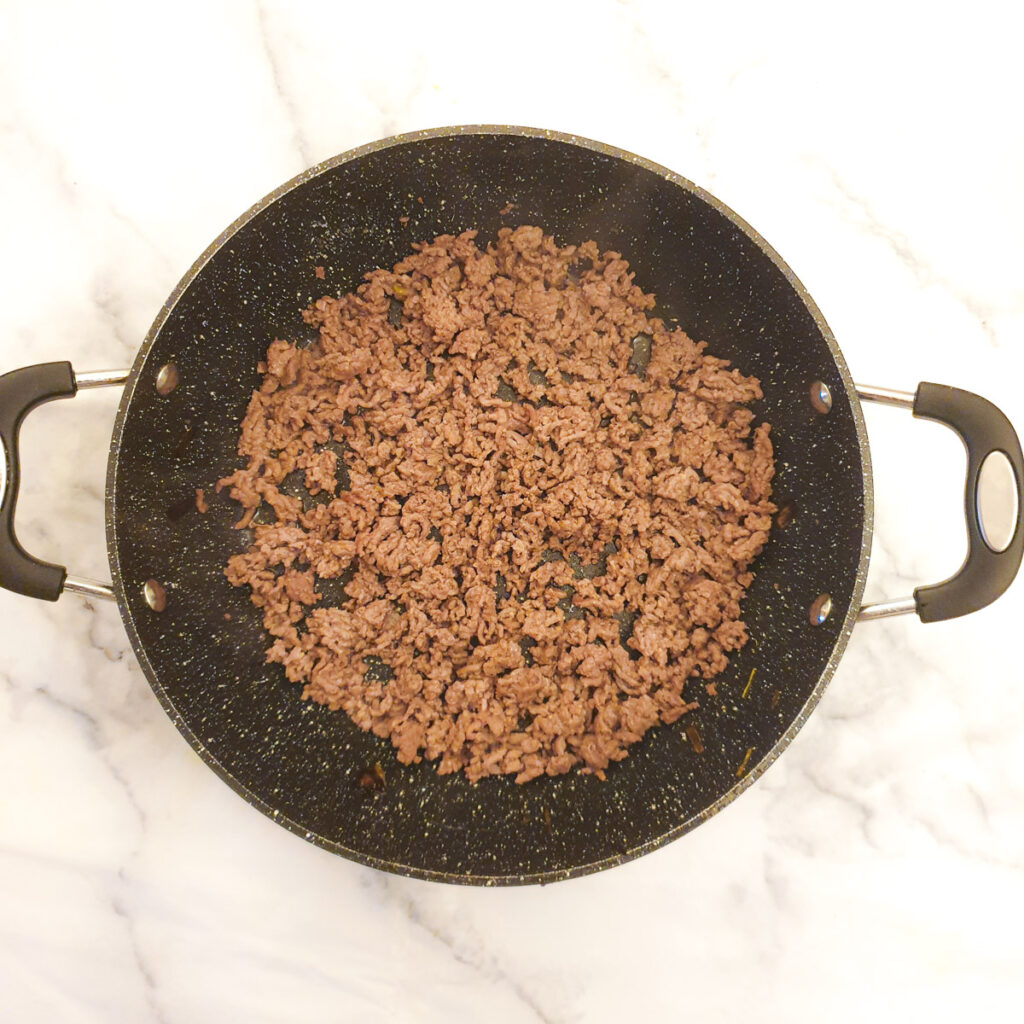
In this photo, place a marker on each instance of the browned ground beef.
(544, 502)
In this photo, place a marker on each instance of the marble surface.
(876, 871)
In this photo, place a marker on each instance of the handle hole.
(920, 534)
(997, 502)
(63, 461)
(3, 472)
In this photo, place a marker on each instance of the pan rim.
(427, 874)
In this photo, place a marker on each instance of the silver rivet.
(166, 379)
(821, 397)
(156, 595)
(820, 610)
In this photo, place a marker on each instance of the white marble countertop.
(875, 872)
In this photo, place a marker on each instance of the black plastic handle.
(20, 392)
(986, 573)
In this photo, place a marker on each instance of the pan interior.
(204, 653)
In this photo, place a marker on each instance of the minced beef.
(538, 505)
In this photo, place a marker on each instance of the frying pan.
(200, 641)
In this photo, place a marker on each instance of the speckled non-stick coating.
(203, 655)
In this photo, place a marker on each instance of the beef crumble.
(529, 509)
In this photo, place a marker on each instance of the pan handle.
(20, 392)
(995, 474)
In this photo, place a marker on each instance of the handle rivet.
(166, 379)
(155, 594)
(821, 397)
(820, 610)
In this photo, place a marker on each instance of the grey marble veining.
(877, 869)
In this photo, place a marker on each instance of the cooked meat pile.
(542, 504)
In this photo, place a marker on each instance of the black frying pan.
(200, 641)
